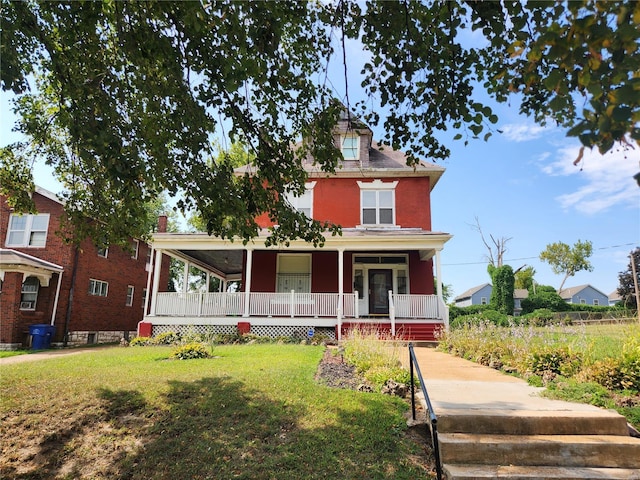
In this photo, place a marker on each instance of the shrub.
(139, 341)
(540, 316)
(167, 338)
(556, 359)
(378, 376)
(544, 299)
(190, 351)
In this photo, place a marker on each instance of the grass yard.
(253, 412)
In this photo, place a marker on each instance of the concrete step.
(512, 472)
(609, 451)
(532, 422)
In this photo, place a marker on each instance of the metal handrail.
(433, 420)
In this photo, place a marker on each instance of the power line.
(528, 258)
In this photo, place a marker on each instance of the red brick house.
(88, 295)
(380, 271)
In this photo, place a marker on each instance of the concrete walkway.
(455, 383)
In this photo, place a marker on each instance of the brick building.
(379, 272)
(88, 295)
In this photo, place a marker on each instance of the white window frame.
(280, 282)
(30, 292)
(27, 232)
(130, 292)
(303, 203)
(378, 186)
(596, 301)
(98, 288)
(136, 246)
(103, 252)
(343, 147)
(483, 301)
(144, 297)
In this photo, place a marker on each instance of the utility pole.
(635, 283)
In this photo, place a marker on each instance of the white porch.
(228, 262)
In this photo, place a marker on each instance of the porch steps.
(407, 331)
(521, 444)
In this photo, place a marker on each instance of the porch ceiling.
(228, 262)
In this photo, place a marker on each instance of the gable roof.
(469, 293)
(571, 291)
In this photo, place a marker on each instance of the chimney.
(162, 223)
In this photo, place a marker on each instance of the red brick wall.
(337, 200)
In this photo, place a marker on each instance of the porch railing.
(225, 304)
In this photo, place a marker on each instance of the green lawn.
(253, 412)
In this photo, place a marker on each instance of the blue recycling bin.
(41, 336)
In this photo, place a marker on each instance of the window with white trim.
(303, 203)
(29, 293)
(27, 230)
(483, 300)
(596, 301)
(294, 273)
(350, 146)
(98, 288)
(103, 252)
(130, 290)
(135, 246)
(377, 203)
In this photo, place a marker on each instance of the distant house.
(481, 295)
(89, 295)
(519, 294)
(584, 295)
(614, 298)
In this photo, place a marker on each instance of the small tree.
(524, 278)
(626, 289)
(502, 292)
(566, 260)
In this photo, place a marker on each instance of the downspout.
(74, 274)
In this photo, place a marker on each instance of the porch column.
(149, 273)
(157, 266)
(185, 275)
(340, 290)
(247, 281)
(439, 278)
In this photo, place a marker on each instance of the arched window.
(29, 295)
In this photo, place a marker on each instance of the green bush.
(544, 299)
(622, 373)
(139, 341)
(557, 359)
(378, 376)
(167, 338)
(190, 351)
(540, 316)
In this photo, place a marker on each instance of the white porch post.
(157, 266)
(247, 281)
(185, 277)
(55, 302)
(441, 314)
(340, 290)
(149, 273)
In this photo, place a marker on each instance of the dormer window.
(350, 146)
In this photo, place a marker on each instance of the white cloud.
(607, 180)
(522, 132)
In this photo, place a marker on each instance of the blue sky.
(521, 185)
